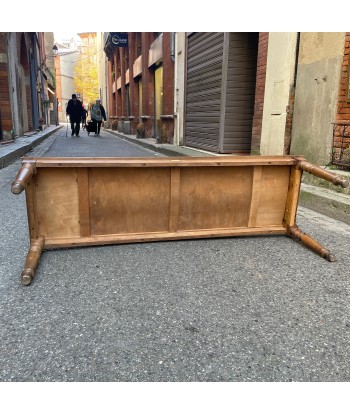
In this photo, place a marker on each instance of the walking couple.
(76, 112)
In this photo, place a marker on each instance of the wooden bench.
(97, 201)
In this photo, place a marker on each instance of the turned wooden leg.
(35, 250)
(23, 177)
(323, 174)
(311, 243)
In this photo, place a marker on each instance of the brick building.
(341, 129)
(230, 92)
(22, 83)
(141, 83)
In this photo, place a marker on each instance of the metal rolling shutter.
(203, 90)
(240, 92)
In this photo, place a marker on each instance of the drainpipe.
(296, 60)
(1, 133)
(172, 46)
(35, 103)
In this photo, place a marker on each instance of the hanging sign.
(119, 40)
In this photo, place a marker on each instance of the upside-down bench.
(97, 201)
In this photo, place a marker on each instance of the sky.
(252, 16)
(65, 36)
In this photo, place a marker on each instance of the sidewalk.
(12, 151)
(166, 149)
(316, 194)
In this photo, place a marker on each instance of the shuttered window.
(220, 91)
(203, 90)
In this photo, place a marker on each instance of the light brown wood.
(293, 196)
(32, 260)
(311, 243)
(164, 161)
(255, 196)
(174, 199)
(52, 243)
(23, 177)
(31, 208)
(214, 198)
(129, 200)
(323, 174)
(85, 201)
(273, 195)
(57, 202)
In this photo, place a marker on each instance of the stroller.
(90, 127)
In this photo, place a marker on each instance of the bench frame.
(97, 201)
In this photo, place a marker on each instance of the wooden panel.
(84, 202)
(141, 197)
(255, 196)
(57, 204)
(163, 161)
(175, 199)
(163, 236)
(213, 198)
(273, 195)
(127, 200)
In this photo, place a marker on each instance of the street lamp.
(55, 53)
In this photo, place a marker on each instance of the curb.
(9, 153)
(328, 202)
(166, 149)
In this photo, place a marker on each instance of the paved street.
(230, 309)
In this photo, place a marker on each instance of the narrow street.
(259, 308)
(106, 145)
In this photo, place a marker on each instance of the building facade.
(251, 93)
(102, 62)
(141, 83)
(23, 88)
(322, 67)
(67, 56)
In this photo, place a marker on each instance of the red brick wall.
(119, 105)
(343, 107)
(289, 123)
(147, 84)
(5, 106)
(168, 87)
(259, 91)
(134, 104)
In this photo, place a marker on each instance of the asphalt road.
(261, 309)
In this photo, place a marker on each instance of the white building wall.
(102, 63)
(67, 61)
(280, 70)
(179, 96)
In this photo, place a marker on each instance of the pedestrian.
(74, 110)
(83, 118)
(97, 113)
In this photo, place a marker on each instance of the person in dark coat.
(74, 110)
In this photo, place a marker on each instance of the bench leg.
(33, 257)
(296, 233)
